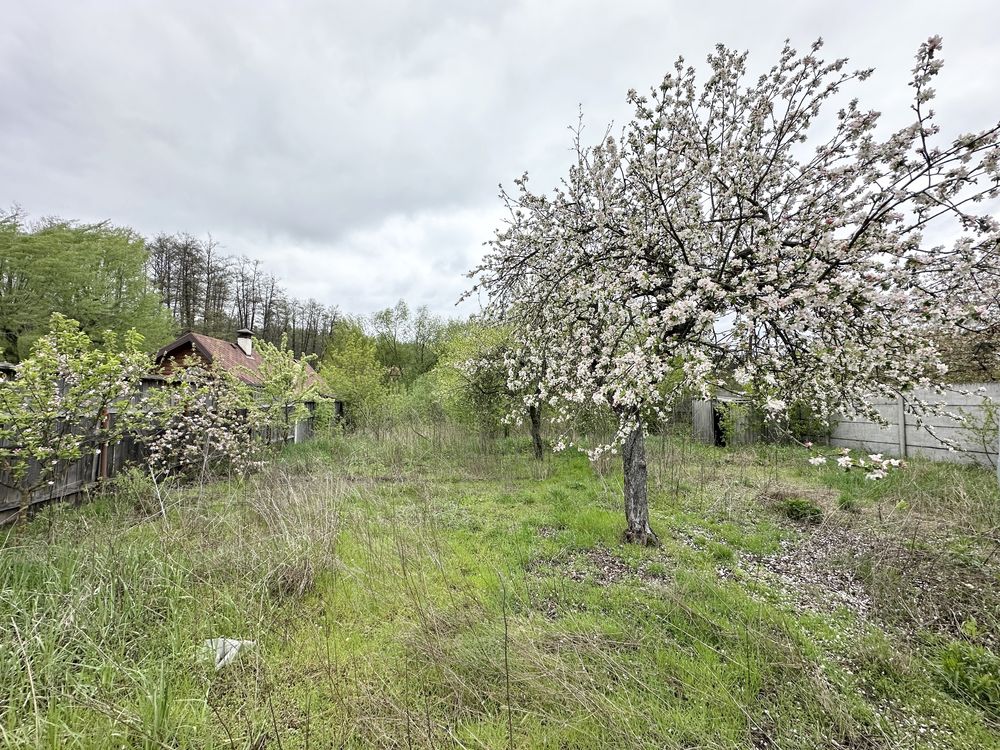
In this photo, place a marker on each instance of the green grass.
(454, 593)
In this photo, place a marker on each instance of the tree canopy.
(725, 239)
(94, 274)
(210, 291)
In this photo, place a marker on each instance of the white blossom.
(704, 247)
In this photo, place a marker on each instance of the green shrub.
(802, 510)
(805, 424)
(134, 487)
(972, 673)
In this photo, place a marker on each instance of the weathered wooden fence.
(108, 459)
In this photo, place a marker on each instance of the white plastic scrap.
(225, 650)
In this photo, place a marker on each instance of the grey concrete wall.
(903, 437)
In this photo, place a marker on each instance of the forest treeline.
(213, 292)
(110, 278)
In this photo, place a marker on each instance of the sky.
(356, 148)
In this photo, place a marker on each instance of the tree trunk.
(23, 504)
(535, 416)
(637, 491)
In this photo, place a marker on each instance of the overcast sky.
(356, 148)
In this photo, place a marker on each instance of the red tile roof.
(225, 355)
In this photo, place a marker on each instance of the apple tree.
(764, 233)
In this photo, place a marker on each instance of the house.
(236, 357)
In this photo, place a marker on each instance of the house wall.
(183, 356)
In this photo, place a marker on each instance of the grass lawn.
(450, 592)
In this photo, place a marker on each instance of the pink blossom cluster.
(208, 428)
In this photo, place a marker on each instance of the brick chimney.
(244, 341)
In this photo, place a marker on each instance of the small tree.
(709, 243)
(354, 375)
(472, 381)
(287, 385)
(66, 399)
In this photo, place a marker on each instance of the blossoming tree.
(208, 421)
(58, 407)
(202, 422)
(471, 378)
(287, 384)
(745, 232)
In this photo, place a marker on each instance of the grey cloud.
(356, 148)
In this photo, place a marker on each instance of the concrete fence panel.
(969, 423)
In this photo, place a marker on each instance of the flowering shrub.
(203, 422)
(56, 408)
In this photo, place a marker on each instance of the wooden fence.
(108, 459)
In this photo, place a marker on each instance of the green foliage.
(421, 402)
(982, 427)
(802, 510)
(407, 343)
(325, 419)
(470, 381)
(354, 375)
(392, 327)
(741, 423)
(805, 424)
(94, 274)
(733, 420)
(971, 672)
(56, 407)
(287, 385)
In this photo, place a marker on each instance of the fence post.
(105, 447)
(901, 423)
